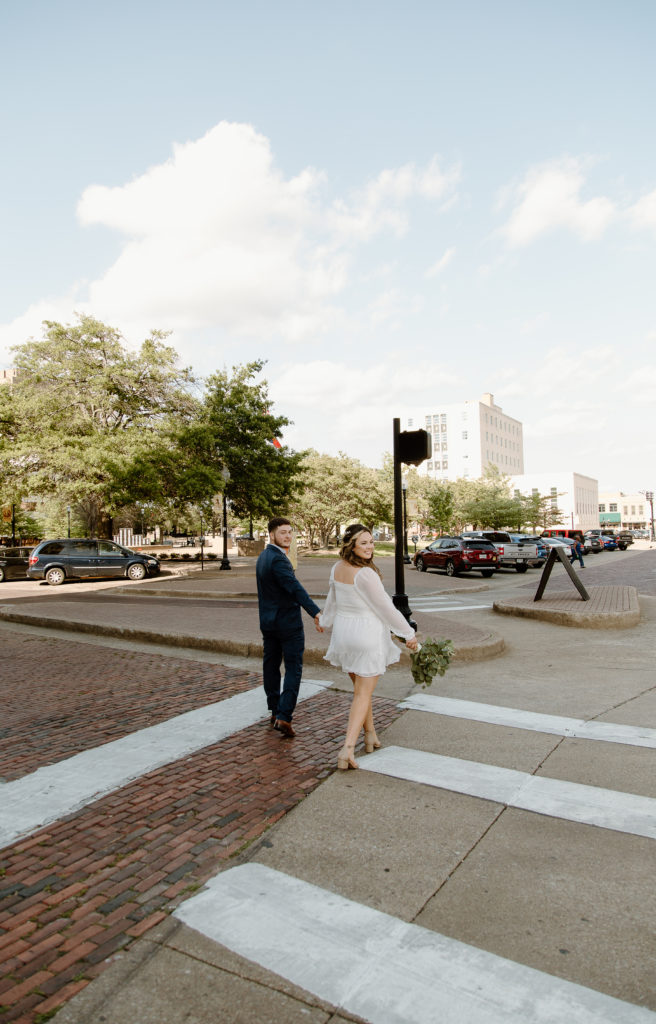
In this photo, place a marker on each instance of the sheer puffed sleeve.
(327, 616)
(370, 588)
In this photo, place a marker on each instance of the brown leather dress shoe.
(284, 727)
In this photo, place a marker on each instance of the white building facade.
(468, 437)
(575, 495)
(624, 511)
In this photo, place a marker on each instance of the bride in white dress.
(362, 615)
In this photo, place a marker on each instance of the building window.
(445, 464)
(625, 510)
(602, 508)
(612, 508)
(443, 417)
(430, 465)
(633, 510)
(410, 423)
(443, 428)
(464, 435)
(444, 446)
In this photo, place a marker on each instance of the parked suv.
(458, 554)
(73, 558)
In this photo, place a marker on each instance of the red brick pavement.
(82, 889)
(61, 697)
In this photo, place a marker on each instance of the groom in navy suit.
(281, 597)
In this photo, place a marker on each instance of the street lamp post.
(406, 557)
(649, 495)
(68, 509)
(202, 541)
(225, 562)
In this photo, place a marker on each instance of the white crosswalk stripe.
(59, 789)
(590, 805)
(493, 714)
(435, 603)
(379, 967)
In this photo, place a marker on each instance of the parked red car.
(458, 554)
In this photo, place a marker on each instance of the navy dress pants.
(290, 647)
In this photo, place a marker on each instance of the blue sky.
(396, 205)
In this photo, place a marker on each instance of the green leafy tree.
(440, 502)
(539, 511)
(338, 490)
(226, 447)
(486, 503)
(83, 406)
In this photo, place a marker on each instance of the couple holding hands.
(360, 612)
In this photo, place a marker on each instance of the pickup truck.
(511, 555)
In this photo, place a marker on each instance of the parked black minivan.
(14, 563)
(71, 558)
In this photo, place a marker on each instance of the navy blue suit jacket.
(280, 595)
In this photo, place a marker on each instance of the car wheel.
(55, 577)
(521, 568)
(421, 565)
(486, 573)
(450, 568)
(2, 575)
(136, 571)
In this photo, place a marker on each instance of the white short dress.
(362, 615)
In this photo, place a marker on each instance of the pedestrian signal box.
(414, 447)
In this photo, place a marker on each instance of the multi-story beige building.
(468, 437)
(574, 495)
(624, 511)
(7, 376)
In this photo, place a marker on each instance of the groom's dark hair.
(276, 522)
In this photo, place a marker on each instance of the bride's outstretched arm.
(371, 589)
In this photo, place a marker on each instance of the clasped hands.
(317, 624)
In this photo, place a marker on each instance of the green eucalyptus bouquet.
(432, 658)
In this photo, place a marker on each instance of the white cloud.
(380, 205)
(350, 406)
(549, 198)
(643, 213)
(394, 308)
(217, 237)
(641, 385)
(441, 264)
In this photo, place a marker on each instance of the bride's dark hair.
(351, 534)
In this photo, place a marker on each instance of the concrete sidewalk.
(572, 901)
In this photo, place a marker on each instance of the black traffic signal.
(414, 447)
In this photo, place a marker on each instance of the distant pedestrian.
(577, 552)
(280, 599)
(362, 615)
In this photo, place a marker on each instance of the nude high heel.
(346, 759)
(371, 742)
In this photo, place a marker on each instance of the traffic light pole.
(400, 597)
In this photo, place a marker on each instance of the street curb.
(487, 647)
(561, 608)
